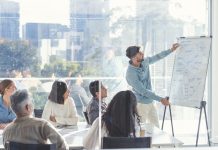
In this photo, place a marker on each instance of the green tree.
(18, 55)
(59, 67)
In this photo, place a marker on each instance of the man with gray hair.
(28, 129)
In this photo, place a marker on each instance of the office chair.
(38, 113)
(86, 116)
(126, 142)
(80, 106)
(21, 146)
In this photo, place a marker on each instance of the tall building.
(49, 39)
(52, 47)
(89, 21)
(9, 20)
(34, 32)
(155, 23)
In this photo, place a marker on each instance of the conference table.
(74, 136)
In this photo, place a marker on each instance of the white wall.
(215, 68)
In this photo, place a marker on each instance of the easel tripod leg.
(198, 126)
(165, 107)
(208, 136)
(171, 120)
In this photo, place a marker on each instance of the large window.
(84, 40)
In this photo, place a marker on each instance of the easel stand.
(203, 106)
(170, 119)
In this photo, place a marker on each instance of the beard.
(140, 60)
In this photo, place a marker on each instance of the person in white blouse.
(60, 108)
(120, 120)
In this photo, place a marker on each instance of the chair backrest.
(11, 145)
(77, 100)
(126, 142)
(86, 116)
(38, 113)
(78, 103)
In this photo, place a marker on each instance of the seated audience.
(7, 88)
(60, 108)
(93, 106)
(27, 129)
(119, 120)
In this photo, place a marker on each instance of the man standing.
(138, 77)
(26, 128)
(98, 92)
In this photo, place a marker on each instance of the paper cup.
(142, 132)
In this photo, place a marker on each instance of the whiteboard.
(190, 71)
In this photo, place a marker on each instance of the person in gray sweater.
(27, 129)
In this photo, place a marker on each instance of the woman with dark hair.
(7, 88)
(119, 120)
(60, 108)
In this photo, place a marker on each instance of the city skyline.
(59, 11)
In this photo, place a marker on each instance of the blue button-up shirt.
(139, 78)
(6, 114)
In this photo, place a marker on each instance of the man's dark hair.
(120, 115)
(17, 98)
(131, 51)
(57, 92)
(94, 87)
